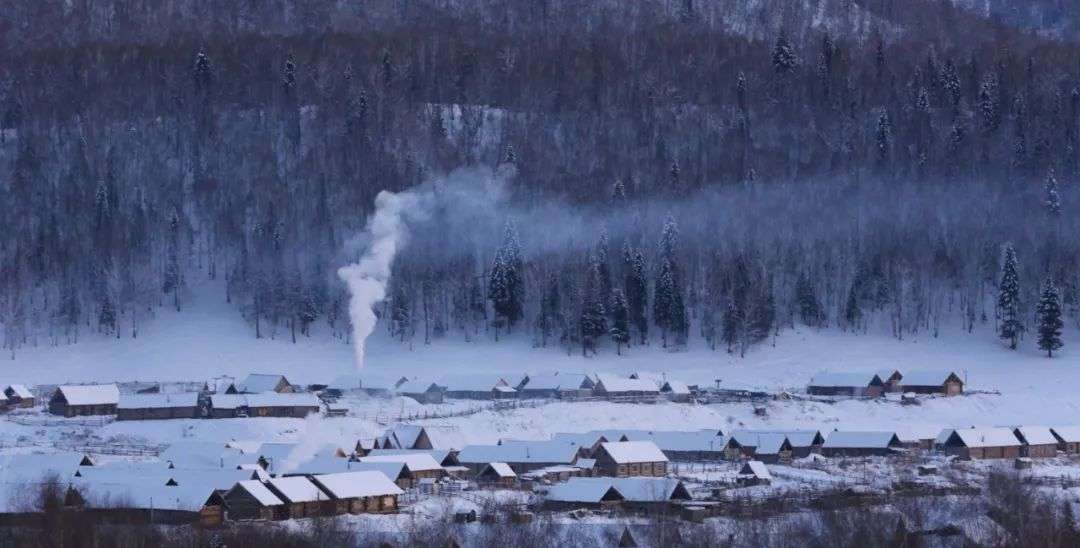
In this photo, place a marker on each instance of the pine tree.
(1049, 318)
(506, 285)
(852, 312)
(618, 192)
(729, 325)
(1053, 199)
(620, 320)
(784, 60)
(637, 288)
(1008, 304)
(663, 297)
(593, 319)
(809, 308)
(400, 314)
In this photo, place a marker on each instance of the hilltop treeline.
(831, 167)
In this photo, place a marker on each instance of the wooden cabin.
(266, 404)
(425, 392)
(890, 380)
(861, 444)
(359, 492)
(982, 443)
(576, 494)
(496, 474)
(477, 387)
(612, 386)
(257, 383)
(558, 385)
(630, 458)
(945, 383)
(521, 456)
(853, 385)
(18, 395)
(753, 472)
(252, 500)
(158, 406)
(83, 400)
(802, 442)
(1036, 441)
(418, 466)
(301, 497)
(676, 391)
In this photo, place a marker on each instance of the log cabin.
(630, 458)
(982, 443)
(83, 400)
(360, 492)
(158, 406)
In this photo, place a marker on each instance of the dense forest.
(670, 172)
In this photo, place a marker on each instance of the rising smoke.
(387, 232)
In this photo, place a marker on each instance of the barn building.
(630, 458)
(301, 497)
(854, 385)
(982, 443)
(257, 383)
(477, 387)
(82, 400)
(676, 391)
(945, 383)
(890, 380)
(423, 391)
(612, 386)
(694, 445)
(558, 385)
(522, 457)
(418, 466)
(497, 474)
(861, 444)
(578, 494)
(158, 406)
(803, 442)
(266, 404)
(18, 395)
(252, 500)
(360, 492)
(753, 472)
(1036, 441)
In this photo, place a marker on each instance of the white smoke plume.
(367, 279)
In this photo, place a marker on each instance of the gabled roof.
(263, 399)
(771, 444)
(843, 380)
(886, 374)
(438, 454)
(204, 454)
(259, 491)
(984, 437)
(404, 436)
(797, 438)
(916, 433)
(1067, 434)
(644, 489)
(576, 490)
(929, 378)
(20, 390)
(90, 394)
(349, 485)
(851, 439)
(158, 401)
(417, 462)
(755, 468)
(584, 439)
(417, 386)
(500, 469)
(364, 381)
(37, 465)
(1035, 435)
(298, 489)
(142, 496)
(613, 383)
(260, 382)
(623, 452)
(472, 383)
(675, 387)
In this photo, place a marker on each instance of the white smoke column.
(367, 278)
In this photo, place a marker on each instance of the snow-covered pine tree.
(784, 59)
(400, 314)
(1052, 197)
(1050, 323)
(1008, 305)
(593, 319)
(637, 291)
(506, 287)
(618, 192)
(620, 320)
(729, 325)
(663, 295)
(806, 298)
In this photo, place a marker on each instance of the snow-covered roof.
(38, 465)
(675, 387)
(797, 438)
(584, 439)
(916, 433)
(756, 469)
(472, 383)
(142, 496)
(770, 444)
(576, 490)
(205, 454)
(613, 383)
(124, 475)
(158, 401)
(1036, 435)
(1068, 434)
(216, 479)
(417, 386)
(501, 469)
(886, 374)
(349, 485)
(298, 489)
(851, 439)
(927, 377)
(417, 462)
(633, 451)
(90, 394)
(260, 382)
(20, 390)
(700, 440)
(369, 381)
(261, 493)
(943, 436)
(546, 382)
(585, 464)
(985, 437)
(438, 454)
(404, 436)
(643, 489)
(523, 452)
(263, 399)
(841, 380)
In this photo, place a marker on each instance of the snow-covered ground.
(209, 339)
